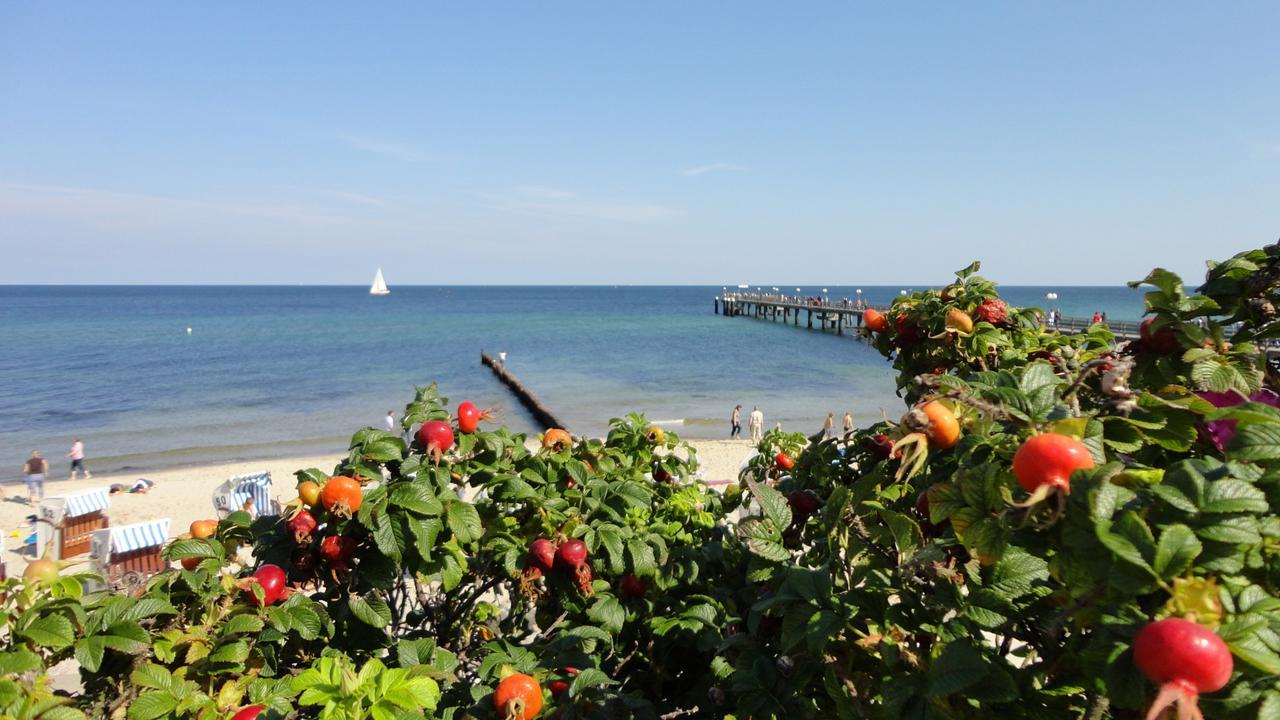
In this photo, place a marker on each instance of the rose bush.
(943, 566)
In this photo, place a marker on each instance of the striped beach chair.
(129, 554)
(246, 492)
(67, 522)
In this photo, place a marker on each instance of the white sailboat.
(379, 286)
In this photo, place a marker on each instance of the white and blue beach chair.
(252, 492)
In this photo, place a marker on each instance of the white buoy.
(188, 331)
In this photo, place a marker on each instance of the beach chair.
(126, 556)
(66, 523)
(251, 492)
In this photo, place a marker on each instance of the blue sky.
(713, 143)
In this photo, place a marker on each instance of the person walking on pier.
(735, 422)
(755, 423)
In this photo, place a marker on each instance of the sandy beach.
(184, 494)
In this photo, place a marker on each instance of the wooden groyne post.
(540, 412)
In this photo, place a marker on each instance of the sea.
(160, 376)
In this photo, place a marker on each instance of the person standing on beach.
(77, 460)
(829, 427)
(1096, 317)
(391, 421)
(735, 421)
(755, 423)
(34, 471)
(848, 423)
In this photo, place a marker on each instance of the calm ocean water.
(277, 370)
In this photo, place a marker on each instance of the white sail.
(379, 286)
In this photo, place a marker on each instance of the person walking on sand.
(735, 422)
(755, 423)
(829, 427)
(848, 423)
(391, 421)
(77, 460)
(34, 471)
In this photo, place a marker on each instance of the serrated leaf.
(242, 623)
(608, 612)
(464, 522)
(386, 537)
(417, 497)
(587, 679)
(153, 676)
(152, 705)
(51, 631)
(773, 503)
(1233, 496)
(89, 653)
(371, 610)
(232, 652)
(643, 563)
(19, 660)
(958, 667)
(1176, 550)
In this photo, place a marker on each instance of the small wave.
(678, 421)
(706, 421)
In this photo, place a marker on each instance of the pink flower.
(1220, 432)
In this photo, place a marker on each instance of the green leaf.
(1256, 443)
(587, 679)
(193, 548)
(773, 503)
(232, 652)
(371, 610)
(1233, 496)
(425, 531)
(417, 497)
(19, 660)
(1177, 549)
(306, 621)
(958, 667)
(1122, 543)
(385, 536)
(642, 560)
(609, 613)
(51, 631)
(242, 623)
(906, 533)
(152, 676)
(89, 652)
(1016, 573)
(464, 522)
(152, 705)
(609, 537)
(1254, 651)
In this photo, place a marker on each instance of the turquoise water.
(276, 370)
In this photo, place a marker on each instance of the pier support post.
(809, 317)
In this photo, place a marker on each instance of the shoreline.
(184, 494)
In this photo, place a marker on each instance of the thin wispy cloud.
(548, 193)
(1267, 149)
(395, 150)
(697, 170)
(557, 202)
(353, 198)
(99, 203)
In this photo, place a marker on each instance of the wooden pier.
(836, 316)
(526, 397)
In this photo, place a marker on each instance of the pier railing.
(842, 313)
